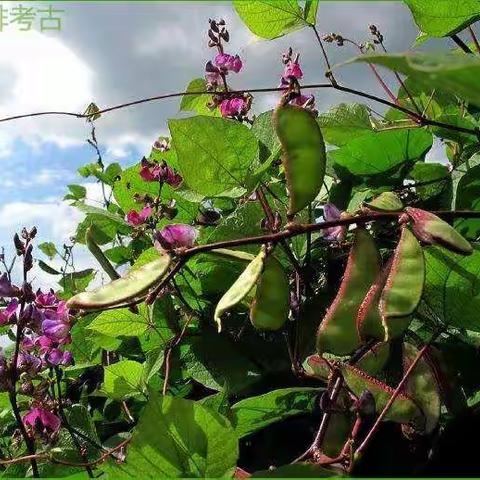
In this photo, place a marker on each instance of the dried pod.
(337, 333)
(303, 156)
(135, 284)
(386, 202)
(433, 230)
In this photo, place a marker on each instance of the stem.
(58, 375)
(30, 443)
(460, 43)
(422, 119)
(324, 53)
(399, 388)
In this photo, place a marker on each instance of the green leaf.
(264, 130)
(73, 283)
(49, 249)
(310, 11)
(452, 73)
(468, 198)
(179, 438)
(344, 122)
(452, 289)
(47, 268)
(380, 152)
(123, 379)
(255, 413)
(77, 192)
(435, 185)
(216, 363)
(134, 284)
(198, 103)
(441, 18)
(214, 154)
(303, 157)
(271, 18)
(119, 322)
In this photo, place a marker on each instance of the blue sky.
(115, 52)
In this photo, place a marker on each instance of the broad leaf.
(198, 103)
(441, 18)
(380, 152)
(179, 438)
(120, 322)
(123, 379)
(255, 413)
(452, 73)
(214, 154)
(344, 122)
(452, 289)
(271, 18)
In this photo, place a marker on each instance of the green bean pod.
(270, 307)
(403, 410)
(304, 156)
(404, 285)
(134, 285)
(422, 386)
(386, 202)
(338, 333)
(241, 287)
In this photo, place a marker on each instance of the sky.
(115, 52)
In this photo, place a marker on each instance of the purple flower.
(6, 288)
(176, 235)
(55, 330)
(213, 76)
(7, 313)
(55, 356)
(29, 363)
(232, 107)
(231, 63)
(292, 69)
(154, 172)
(135, 218)
(46, 300)
(39, 419)
(330, 214)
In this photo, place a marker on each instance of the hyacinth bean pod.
(386, 202)
(241, 287)
(403, 410)
(422, 386)
(232, 254)
(404, 286)
(369, 320)
(303, 156)
(338, 333)
(433, 230)
(270, 307)
(133, 285)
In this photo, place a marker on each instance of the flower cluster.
(155, 172)
(292, 73)
(160, 172)
(43, 324)
(216, 71)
